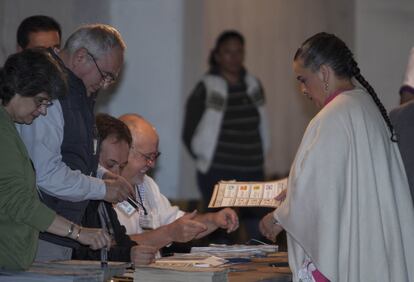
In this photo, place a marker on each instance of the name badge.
(148, 222)
(126, 208)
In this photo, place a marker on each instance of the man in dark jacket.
(115, 142)
(63, 145)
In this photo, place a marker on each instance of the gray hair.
(96, 38)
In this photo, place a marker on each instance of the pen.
(104, 257)
(107, 225)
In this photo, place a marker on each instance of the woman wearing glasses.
(28, 81)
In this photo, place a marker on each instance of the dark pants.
(249, 217)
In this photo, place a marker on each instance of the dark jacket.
(79, 149)
(120, 251)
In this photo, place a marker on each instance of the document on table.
(179, 269)
(211, 261)
(247, 194)
(235, 251)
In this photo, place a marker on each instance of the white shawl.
(348, 206)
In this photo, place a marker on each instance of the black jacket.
(120, 251)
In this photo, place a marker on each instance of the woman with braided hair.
(348, 212)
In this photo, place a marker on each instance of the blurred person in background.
(402, 118)
(225, 125)
(39, 31)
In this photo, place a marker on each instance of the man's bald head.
(144, 149)
(140, 128)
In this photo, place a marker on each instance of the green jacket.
(22, 215)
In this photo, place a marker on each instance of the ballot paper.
(181, 269)
(247, 194)
(210, 261)
(66, 271)
(235, 251)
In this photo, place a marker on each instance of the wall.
(384, 34)
(273, 31)
(168, 43)
(156, 60)
(69, 14)
(153, 76)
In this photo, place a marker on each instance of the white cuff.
(409, 73)
(100, 171)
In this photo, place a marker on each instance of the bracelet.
(70, 231)
(77, 235)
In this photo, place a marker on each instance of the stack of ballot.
(66, 271)
(153, 274)
(179, 269)
(232, 251)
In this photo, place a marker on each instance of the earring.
(326, 87)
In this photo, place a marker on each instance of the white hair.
(96, 38)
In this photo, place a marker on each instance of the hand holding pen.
(106, 225)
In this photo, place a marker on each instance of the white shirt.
(157, 206)
(43, 140)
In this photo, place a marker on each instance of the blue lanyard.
(141, 203)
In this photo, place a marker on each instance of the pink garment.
(319, 277)
(333, 95)
(309, 273)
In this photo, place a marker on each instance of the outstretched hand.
(185, 228)
(94, 238)
(118, 189)
(269, 228)
(282, 196)
(143, 255)
(226, 219)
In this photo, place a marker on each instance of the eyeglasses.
(150, 157)
(42, 101)
(107, 78)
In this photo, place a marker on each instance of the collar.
(333, 95)
(5, 114)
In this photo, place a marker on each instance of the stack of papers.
(210, 261)
(181, 269)
(66, 271)
(231, 251)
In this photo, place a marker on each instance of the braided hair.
(324, 48)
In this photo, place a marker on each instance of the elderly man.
(38, 31)
(63, 145)
(163, 223)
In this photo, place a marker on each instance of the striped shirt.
(239, 146)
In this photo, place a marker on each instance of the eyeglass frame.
(42, 101)
(107, 78)
(147, 157)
